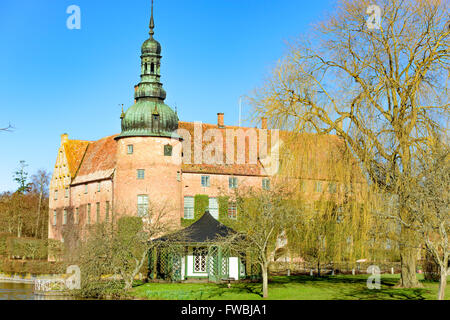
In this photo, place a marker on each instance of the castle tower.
(146, 170)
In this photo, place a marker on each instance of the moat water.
(22, 291)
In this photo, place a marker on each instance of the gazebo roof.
(205, 230)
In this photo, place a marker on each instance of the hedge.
(32, 267)
(3, 237)
(26, 248)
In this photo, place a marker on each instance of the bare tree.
(40, 182)
(382, 90)
(120, 248)
(9, 128)
(263, 217)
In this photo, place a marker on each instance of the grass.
(291, 288)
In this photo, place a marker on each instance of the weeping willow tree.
(384, 90)
(330, 194)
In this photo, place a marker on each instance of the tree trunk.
(408, 255)
(318, 268)
(442, 282)
(265, 280)
(38, 215)
(408, 268)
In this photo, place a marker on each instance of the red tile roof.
(75, 150)
(99, 161)
(90, 161)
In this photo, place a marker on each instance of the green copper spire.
(152, 24)
(150, 116)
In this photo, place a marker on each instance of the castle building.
(125, 173)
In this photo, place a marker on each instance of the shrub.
(201, 204)
(223, 208)
(55, 249)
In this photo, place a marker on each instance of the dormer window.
(155, 122)
(168, 150)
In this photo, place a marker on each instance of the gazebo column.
(155, 263)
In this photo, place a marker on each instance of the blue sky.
(54, 80)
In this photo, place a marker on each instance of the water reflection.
(16, 291)
(21, 291)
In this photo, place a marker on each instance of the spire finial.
(122, 115)
(152, 24)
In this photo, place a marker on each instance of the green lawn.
(292, 288)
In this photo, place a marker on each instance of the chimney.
(64, 138)
(220, 120)
(264, 123)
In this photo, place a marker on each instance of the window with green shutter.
(98, 212)
(107, 211)
(89, 213)
(65, 217)
(266, 184)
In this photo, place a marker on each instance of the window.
(89, 213)
(178, 176)
(67, 193)
(152, 68)
(107, 211)
(130, 149)
(142, 205)
(99, 187)
(189, 208)
(200, 255)
(332, 187)
(205, 181)
(303, 186)
(76, 217)
(141, 174)
(56, 195)
(65, 217)
(266, 184)
(233, 183)
(232, 210)
(55, 217)
(214, 208)
(168, 150)
(98, 212)
(86, 189)
(318, 186)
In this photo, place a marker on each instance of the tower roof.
(150, 116)
(205, 230)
